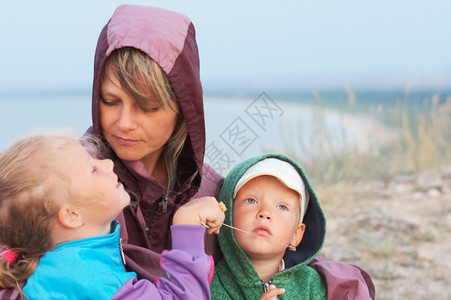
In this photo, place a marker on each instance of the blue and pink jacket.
(93, 268)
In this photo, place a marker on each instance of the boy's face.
(94, 188)
(268, 208)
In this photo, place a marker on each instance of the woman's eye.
(282, 207)
(109, 102)
(152, 108)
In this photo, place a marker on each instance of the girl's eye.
(251, 201)
(282, 207)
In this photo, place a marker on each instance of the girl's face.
(268, 208)
(133, 134)
(93, 187)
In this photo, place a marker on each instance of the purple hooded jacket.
(169, 38)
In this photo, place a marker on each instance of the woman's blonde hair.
(30, 183)
(143, 79)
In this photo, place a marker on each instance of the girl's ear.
(69, 217)
(297, 235)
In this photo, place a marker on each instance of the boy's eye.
(251, 201)
(282, 207)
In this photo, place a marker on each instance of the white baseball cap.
(283, 171)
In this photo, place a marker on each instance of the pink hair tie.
(9, 255)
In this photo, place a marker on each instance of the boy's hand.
(199, 211)
(272, 293)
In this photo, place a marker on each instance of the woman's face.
(133, 134)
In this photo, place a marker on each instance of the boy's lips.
(262, 230)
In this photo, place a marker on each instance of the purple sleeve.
(189, 270)
(344, 281)
(210, 186)
(10, 293)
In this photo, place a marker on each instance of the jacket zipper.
(165, 202)
(163, 199)
(121, 249)
(266, 285)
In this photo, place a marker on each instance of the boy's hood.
(314, 220)
(168, 38)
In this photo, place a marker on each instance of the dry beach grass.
(389, 207)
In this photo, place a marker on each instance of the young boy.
(273, 208)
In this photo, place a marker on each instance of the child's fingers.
(210, 214)
(214, 216)
(213, 230)
(272, 293)
(215, 224)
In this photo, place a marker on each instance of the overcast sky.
(290, 44)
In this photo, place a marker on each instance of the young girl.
(57, 210)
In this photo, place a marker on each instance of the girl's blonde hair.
(143, 79)
(30, 185)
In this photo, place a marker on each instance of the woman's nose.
(127, 118)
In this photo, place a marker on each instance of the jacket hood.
(169, 39)
(234, 257)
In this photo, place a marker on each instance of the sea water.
(236, 127)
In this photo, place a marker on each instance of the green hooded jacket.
(234, 276)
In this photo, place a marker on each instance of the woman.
(147, 106)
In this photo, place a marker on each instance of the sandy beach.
(399, 230)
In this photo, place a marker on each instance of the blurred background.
(49, 45)
(263, 45)
(359, 92)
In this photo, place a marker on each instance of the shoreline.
(290, 128)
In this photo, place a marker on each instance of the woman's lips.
(126, 142)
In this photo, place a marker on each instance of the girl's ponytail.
(17, 270)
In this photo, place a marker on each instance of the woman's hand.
(201, 211)
(272, 293)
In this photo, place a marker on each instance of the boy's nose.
(264, 215)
